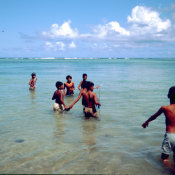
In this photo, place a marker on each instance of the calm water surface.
(34, 139)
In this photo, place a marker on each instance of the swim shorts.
(70, 93)
(89, 112)
(57, 107)
(168, 143)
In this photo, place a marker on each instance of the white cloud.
(110, 28)
(144, 20)
(60, 45)
(49, 45)
(72, 45)
(64, 31)
(55, 46)
(115, 26)
(145, 26)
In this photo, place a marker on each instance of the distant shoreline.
(81, 58)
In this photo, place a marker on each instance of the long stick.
(99, 100)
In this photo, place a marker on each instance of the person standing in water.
(32, 81)
(58, 97)
(168, 144)
(91, 102)
(82, 94)
(69, 85)
(83, 81)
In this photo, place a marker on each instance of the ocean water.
(34, 139)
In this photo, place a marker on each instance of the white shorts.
(168, 144)
(58, 107)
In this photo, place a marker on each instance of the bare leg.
(167, 162)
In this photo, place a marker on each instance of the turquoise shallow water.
(34, 139)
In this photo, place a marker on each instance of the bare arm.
(54, 97)
(62, 101)
(30, 81)
(153, 117)
(64, 89)
(78, 98)
(96, 101)
(73, 86)
(35, 80)
(80, 85)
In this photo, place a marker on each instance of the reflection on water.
(89, 128)
(69, 99)
(59, 130)
(32, 94)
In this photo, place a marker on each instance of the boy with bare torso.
(32, 81)
(168, 144)
(58, 97)
(83, 81)
(90, 100)
(69, 85)
(82, 94)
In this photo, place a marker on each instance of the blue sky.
(87, 28)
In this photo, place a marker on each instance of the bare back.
(57, 96)
(89, 99)
(169, 112)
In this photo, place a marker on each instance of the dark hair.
(33, 74)
(58, 84)
(84, 75)
(68, 77)
(89, 85)
(171, 93)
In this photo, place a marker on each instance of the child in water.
(69, 85)
(32, 81)
(58, 97)
(82, 94)
(83, 81)
(168, 144)
(89, 101)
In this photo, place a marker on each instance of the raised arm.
(35, 80)
(80, 85)
(153, 117)
(30, 81)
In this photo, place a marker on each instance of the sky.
(87, 28)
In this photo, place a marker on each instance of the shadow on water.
(19, 140)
